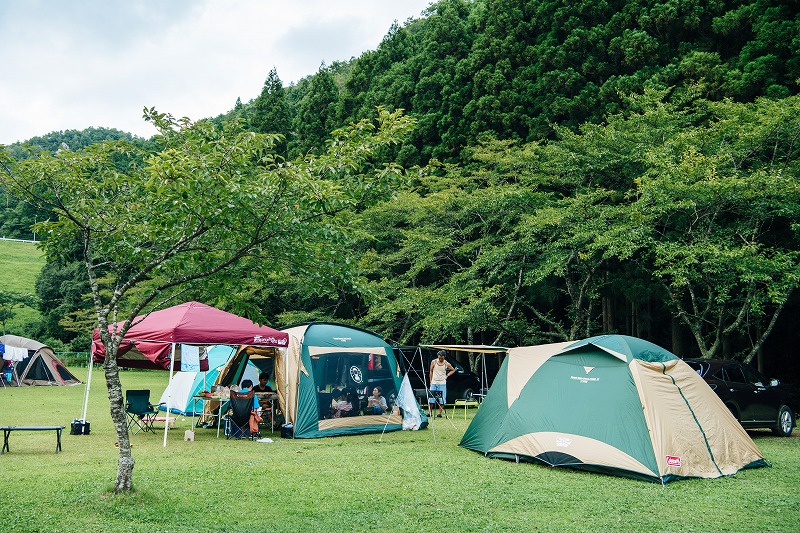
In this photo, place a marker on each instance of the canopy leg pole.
(169, 395)
(88, 385)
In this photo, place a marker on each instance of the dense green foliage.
(17, 217)
(618, 166)
(660, 213)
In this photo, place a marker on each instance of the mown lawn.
(404, 481)
(20, 264)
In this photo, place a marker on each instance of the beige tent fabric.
(476, 348)
(355, 421)
(679, 444)
(287, 392)
(298, 332)
(587, 450)
(322, 350)
(21, 342)
(523, 362)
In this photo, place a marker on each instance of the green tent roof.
(625, 348)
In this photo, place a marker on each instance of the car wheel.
(468, 394)
(785, 422)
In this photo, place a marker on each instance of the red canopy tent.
(148, 344)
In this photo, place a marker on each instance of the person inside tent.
(265, 390)
(376, 405)
(8, 371)
(340, 405)
(263, 384)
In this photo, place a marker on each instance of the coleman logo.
(343, 339)
(588, 369)
(584, 379)
(563, 442)
(673, 460)
(356, 375)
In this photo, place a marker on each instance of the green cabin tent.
(612, 404)
(323, 357)
(341, 356)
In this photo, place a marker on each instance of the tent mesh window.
(357, 374)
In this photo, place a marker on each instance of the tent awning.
(477, 348)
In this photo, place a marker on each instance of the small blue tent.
(186, 385)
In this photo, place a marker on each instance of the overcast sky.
(71, 64)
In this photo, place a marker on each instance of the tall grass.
(402, 481)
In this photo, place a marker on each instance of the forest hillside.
(590, 167)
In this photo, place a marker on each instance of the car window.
(734, 374)
(697, 367)
(753, 377)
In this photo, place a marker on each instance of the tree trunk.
(608, 314)
(759, 352)
(677, 344)
(124, 481)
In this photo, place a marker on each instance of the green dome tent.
(612, 404)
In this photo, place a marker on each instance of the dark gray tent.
(40, 366)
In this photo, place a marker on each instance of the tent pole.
(286, 387)
(169, 394)
(88, 386)
(425, 372)
(398, 393)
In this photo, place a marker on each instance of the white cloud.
(71, 65)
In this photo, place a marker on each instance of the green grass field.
(20, 264)
(404, 481)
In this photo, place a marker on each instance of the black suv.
(416, 362)
(755, 401)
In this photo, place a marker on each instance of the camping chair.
(141, 412)
(237, 421)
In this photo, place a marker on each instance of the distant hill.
(74, 139)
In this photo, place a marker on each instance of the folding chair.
(237, 421)
(141, 413)
(465, 403)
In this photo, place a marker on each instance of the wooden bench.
(8, 429)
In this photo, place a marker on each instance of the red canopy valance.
(149, 342)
